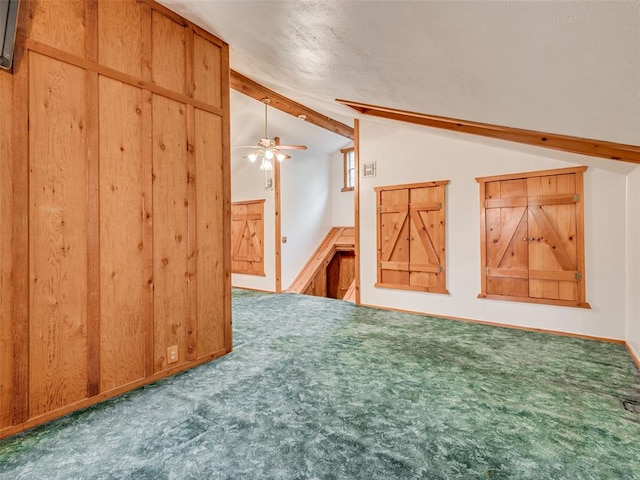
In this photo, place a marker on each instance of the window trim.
(345, 171)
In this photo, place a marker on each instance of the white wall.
(306, 209)
(633, 261)
(342, 206)
(247, 183)
(406, 154)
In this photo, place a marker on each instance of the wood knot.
(138, 111)
(140, 246)
(162, 147)
(165, 261)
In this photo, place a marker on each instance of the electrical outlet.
(172, 354)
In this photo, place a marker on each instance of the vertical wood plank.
(211, 278)
(58, 240)
(19, 278)
(207, 71)
(6, 227)
(93, 205)
(192, 228)
(147, 189)
(170, 228)
(189, 61)
(226, 197)
(122, 248)
(59, 24)
(120, 35)
(169, 53)
(146, 151)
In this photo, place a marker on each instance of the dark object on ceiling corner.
(8, 27)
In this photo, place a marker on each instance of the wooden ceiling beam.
(254, 90)
(584, 146)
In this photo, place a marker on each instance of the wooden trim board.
(633, 355)
(356, 207)
(504, 325)
(254, 90)
(583, 146)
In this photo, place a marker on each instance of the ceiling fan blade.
(292, 147)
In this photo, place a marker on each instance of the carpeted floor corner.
(321, 389)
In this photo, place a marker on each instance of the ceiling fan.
(267, 149)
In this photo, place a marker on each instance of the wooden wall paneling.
(147, 190)
(58, 234)
(170, 228)
(59, 24)
(6, 262)
(226, 196)
(121, 36)
(211, 279)
(93, 205)
(207, 71)
(192, 240)
(146, 153)
(123, 249)
(19, 278)
(169, 60)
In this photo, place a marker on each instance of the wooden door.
(426, 235)
(393, 237)
(247, 237)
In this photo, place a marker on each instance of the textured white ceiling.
(569, 67)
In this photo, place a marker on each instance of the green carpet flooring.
(320, 389)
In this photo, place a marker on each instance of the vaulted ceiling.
(567, 67)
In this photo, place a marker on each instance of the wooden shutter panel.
(247, 237)
(393, 237)
(426, 233)
(553, 251)
(411, 236)
(533, 237)
(506, 229)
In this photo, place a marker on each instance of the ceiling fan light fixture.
(268, 153)
(266, 164)
(253, 156)
(280, 156)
